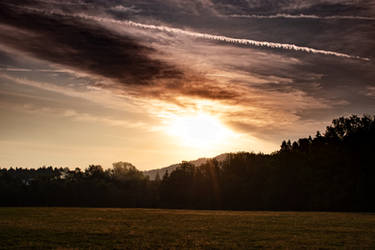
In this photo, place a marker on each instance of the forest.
(332, 171)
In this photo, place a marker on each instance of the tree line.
(333, 171)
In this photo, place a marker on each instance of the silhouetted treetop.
(333, 171)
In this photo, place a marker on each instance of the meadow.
(116, 228)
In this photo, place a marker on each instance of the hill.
(161, 171)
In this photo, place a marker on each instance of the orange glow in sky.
(129, 81)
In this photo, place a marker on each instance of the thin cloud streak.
(227, 39)
(247, 42)
(303, 16)
(92, 94)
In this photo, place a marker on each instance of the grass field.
(175, 229)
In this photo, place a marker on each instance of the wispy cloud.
(370, 91)
(256, 91)
(89, 94)
(86, 117)
(220, 38)
(304, 16)
(122, 8)
(16, 69)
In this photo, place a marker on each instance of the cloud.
(340, 9)
(370, 91)
(122, 8)
(240, 41)
(83, 45)
(86, 117)
(90, 93)
(261, 92)
(303, 16)
(226, 39)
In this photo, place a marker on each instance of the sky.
(155, 82)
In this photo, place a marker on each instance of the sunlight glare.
(199, 131)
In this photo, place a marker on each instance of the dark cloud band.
(82, 45)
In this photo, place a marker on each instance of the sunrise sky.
(155, 82)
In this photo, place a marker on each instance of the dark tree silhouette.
(333, 171)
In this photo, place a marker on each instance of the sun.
(199, 130)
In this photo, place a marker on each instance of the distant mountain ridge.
(161, 171)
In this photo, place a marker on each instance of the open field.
(153, 228)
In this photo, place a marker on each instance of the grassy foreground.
(175, 229)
